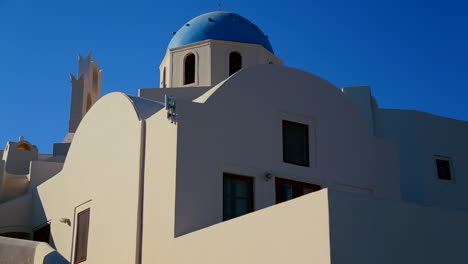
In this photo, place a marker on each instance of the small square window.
(443, 169)
(295, 143)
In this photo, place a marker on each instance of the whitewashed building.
(236, 159)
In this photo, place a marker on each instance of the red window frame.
(297, 188)
(76, 261)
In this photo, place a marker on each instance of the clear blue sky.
(414, 54)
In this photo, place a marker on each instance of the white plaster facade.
(151, 173)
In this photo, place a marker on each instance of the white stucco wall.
(102, 173)
(159, 189)
(421, 136)
(237, 128)
(361, 96)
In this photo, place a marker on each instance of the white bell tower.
(86, 90)
(211, 47)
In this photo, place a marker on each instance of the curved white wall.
(101, 172)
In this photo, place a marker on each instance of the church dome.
(219, 25)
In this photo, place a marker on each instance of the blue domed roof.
(219, 25)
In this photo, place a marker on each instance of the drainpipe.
(139, 238)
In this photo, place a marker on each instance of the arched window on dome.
(235, 62)
(189, 69)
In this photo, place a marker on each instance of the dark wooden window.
(237, 196)
(443, 169)
(295, 143)
(189, 69)
(235, 62)
(82, 231)
(42, 234)
(289, 189)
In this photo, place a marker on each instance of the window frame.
(252, 193)
(451, 170)
(284, 121)
(75, 260)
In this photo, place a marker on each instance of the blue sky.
(414, 54)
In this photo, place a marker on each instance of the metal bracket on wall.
(170, 104)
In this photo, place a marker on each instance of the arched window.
(189, 69)
(235, 62)
(88, 102)
(23, 146)
(163, 83)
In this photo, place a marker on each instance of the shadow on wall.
(422, 137)
(417, 234)
(15, 217)
(28, 252)
(18, 235)
(21, 216)
(39, 218)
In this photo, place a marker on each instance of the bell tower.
(211, 47)
(86, 90)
